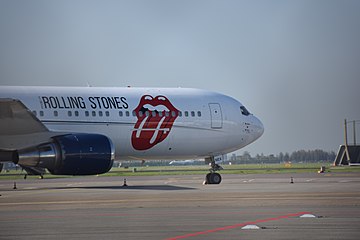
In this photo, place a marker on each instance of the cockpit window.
(244, 111)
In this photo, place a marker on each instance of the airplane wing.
(19, 127)
(16, 119)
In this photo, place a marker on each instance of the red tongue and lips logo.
(153, 125)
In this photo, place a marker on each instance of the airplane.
(82, 130)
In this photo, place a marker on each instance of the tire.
(213, 178)
(207, 178)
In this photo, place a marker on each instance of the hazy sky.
(294, 64)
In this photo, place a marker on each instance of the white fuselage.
(145, 123)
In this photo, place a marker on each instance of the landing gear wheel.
(213, 178)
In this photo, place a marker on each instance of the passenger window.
(160, 114)
(34, 112)
(186, 113)
(76, 113)
(192, 113)
(41, 113)
(56, 113)
(69, 113)
(100, 113)
(120, 113)
(244, 111)
(134, 113)
(199, 114)
(141, 114)
(107, 113)
(180, 113)
(87, 113)
(93, 113)
(173, 113)
(167, 113)
(127, 113)
(153, 114)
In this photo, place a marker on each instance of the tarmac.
(253, 206)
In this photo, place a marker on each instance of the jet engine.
(72, 154)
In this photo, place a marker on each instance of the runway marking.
(250, 180)
(237, 225)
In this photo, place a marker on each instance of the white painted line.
(307, 216)
(250, 180)
(250, 227)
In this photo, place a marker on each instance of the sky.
(294, 64)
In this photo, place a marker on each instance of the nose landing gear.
(213, 177)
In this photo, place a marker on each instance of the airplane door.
(215, 115)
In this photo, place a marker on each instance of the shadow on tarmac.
(139, 187)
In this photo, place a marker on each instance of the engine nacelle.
(73, 154)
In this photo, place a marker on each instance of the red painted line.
(237, 226)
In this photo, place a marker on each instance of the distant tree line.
(310, 156)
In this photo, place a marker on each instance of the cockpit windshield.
(244, 111)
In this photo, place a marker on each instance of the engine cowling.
(72, 154)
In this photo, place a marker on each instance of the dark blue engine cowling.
(83, 154)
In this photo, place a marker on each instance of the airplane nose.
(258, 127)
